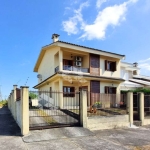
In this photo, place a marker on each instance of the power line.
(26, 81)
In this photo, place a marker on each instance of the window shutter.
(114, 90)
(106, 90)
(114, 66)
(106, 64)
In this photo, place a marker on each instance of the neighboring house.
(133, 80)
(68, 67)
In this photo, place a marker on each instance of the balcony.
(73, 68)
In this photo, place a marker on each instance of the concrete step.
(137, 123)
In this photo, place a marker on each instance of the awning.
(146, 83)
(130, 84)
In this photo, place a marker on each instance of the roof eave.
(41, 54)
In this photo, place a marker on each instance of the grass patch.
(3, 103)
(48, 119)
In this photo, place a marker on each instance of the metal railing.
(57, 69)
(53, 109)
(100, 104)
(74, 68)
(147, 106)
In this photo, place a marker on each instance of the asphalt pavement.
(74, 138)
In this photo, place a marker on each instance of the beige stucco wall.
(103, 84)
(146, 121)
(109, 73)
(18, 113)
(47, 66)
(99, 123)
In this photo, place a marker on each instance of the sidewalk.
(70, 138)
(10, 138)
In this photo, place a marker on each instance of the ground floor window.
(68, 91)
(110, 90)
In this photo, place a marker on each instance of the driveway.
(74, 138)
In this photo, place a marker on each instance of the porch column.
(60, 60)
(141, 102)
(61, 93)
(83, 109)
(130, 100)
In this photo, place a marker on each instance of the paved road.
(10, 137)
(74, 138)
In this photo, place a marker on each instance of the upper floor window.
(110, 65)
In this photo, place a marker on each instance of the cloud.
(70, 26)
(145, 66)
(99, 3)
(109, 16)
(144, 60)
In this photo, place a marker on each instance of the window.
(68, 91)
(67, 64)
(50, 93)
(110, 90)
(110, 65)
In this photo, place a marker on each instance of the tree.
(32, 95)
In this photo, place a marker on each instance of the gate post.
(141, 102)
(24, 110)
(83, 109)
(130, 100)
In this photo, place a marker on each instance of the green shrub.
(3, 103)
(145, 91)
(32, 95)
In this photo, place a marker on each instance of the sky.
(119, 26)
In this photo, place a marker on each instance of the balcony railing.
(73, 68)
(76, 69)
(57, 69)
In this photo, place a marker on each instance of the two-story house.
(68, 68)
(133, 80)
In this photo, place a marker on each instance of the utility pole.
(0, 94)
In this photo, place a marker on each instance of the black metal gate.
(53, 109)
(147, 106)
(136, 108)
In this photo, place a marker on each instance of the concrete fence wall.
(105, 122)
(20, 108)
(99, 123)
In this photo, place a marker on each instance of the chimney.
(55, 37)
(135, 64)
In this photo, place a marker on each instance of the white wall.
(125, 74)
(103, 84)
